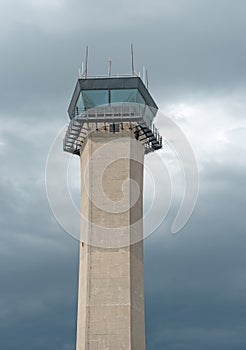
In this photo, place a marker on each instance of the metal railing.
(140, 116)
(117, 111)
(108, 76)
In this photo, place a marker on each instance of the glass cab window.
(92, 98)
(125, 95)
(89, 99)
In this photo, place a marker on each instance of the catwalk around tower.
(111, 129)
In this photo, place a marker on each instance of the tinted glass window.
(89, 99)
(92, 98)
(125, 95)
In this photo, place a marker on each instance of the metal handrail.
(139, 114)
(108, 76)
(119, 110)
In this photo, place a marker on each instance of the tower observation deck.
(109, 102)
(111, 129)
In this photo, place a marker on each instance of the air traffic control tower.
(111, 129)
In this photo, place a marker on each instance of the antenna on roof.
(147, 78)
(86, 62)
(109, 68)
(132, 57)
(144, 75)
(81, 70)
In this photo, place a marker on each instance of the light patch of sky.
(159, 8)
(45, 4)
(210, 126)
(47, 15)
(50, 16)
(2, 146)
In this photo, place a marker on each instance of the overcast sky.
(195, 51)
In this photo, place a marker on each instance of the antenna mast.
(147, 78)
(86, 62)
(144, 75)
(132, 57)
(109, 68)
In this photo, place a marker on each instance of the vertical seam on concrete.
(77, 316)
(129, 248)
(88, 311)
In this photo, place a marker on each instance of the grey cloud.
(197, 300)
(195, 281)
(199, 292)
(194, 46)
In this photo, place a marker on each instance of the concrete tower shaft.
(111, 282)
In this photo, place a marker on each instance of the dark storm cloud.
(195, 281)
(198, 301)
(38, 290)
(38, 271)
